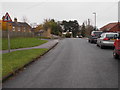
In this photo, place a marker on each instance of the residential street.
(73, 63)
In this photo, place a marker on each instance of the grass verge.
(21, 42)
(17, 59)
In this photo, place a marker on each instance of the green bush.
(68, 35)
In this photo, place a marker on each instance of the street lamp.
(95, 19)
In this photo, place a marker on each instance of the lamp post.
(119, 11)
(95, 19)
(119, 16)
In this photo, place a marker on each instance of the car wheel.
(101, 46)
(95, 42)
(89, 41)
(97, 45)
(115, 55)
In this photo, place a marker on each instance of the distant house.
(111, 27)
(39, 31)
(20, 26)
(33, 30)
(16, 26)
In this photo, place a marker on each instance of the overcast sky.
(36, 12)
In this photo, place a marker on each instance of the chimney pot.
(15, 19)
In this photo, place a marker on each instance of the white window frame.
(24, 29)
(13, 28)
(19, 29)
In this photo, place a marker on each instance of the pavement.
(73, 63)
(47, 45)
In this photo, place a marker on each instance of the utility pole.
(95, 19)
(118, 16)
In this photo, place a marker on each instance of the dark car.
(94, 36)
(116, 52)
(80, 36)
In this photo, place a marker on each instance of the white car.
(106, 39)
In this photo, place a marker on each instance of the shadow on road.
(109, 48)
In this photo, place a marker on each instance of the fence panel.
(17, 34)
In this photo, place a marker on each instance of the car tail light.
(106, 39)
(115, 43)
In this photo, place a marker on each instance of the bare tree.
(24, 19)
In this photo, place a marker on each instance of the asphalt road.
(73, 63)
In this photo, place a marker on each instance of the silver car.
(106, 39)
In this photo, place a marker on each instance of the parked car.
(80, 36)
(116, 52)
(94, 36)
(106, 39)
(77, 36)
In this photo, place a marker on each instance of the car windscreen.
(97, 33)
(110, 35)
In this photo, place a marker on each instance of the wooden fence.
(17, 34)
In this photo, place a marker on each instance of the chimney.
(15, 19)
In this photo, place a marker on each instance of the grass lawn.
(14, 60)
(21, 42)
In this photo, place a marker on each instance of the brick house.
(111, 27)
(20, 26)
(16, 26)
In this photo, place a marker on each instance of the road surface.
(73, 63)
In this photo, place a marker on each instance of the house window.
(18, 28)
(24, 29)
(13, 28)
